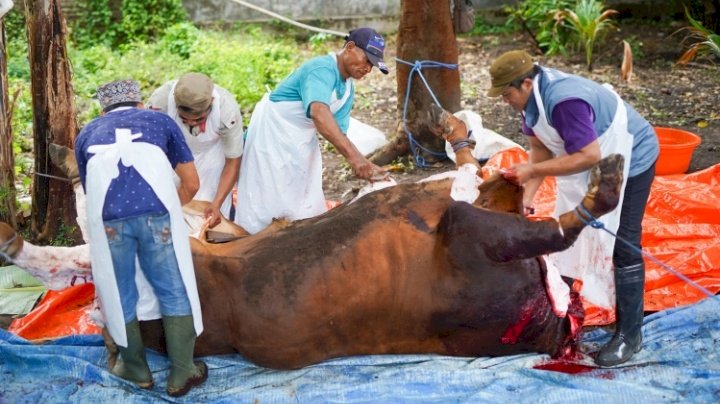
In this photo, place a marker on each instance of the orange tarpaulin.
(59, 313)
(681, 229)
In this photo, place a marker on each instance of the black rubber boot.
(629, 290)
(132, 364)
(180, 341)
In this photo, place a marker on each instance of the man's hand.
(212, 215)
(366, 170)
(520, 173)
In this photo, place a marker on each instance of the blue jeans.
(149, 238)
(635, 199)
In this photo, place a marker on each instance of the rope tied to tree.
(417, 67)
(589, 220)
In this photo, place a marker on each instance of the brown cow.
(402, 270)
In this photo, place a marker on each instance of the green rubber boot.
(180, 340)
(132, 364)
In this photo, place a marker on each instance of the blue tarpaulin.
(680, 362)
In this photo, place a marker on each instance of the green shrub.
(96, 23)
(702, 42)
(589, 21)
(538, 18)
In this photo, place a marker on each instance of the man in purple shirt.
(126, 159)
(571, 123)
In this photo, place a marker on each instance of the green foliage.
(539, 19)
(14, 23)
(483, 27)
(589, 21)
(136, 20)
(180, 39)
(94, 24)
(703, 42)
(143, 20)
(64, 236)
(319, 41)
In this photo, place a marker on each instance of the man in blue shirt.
(126, 159)
(571, 123)
(281, 174)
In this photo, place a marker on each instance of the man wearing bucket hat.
(281, 174)
(571, 123)
(126, 160)
(211, 121)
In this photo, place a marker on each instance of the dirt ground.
(665, 94)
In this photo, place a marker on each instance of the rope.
(289, 21)
(589, 220)
(417, 68)
(53, 177)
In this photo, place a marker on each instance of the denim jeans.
(149, 238)
(635, 199)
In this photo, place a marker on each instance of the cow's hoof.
(64, 159)
(606, 180)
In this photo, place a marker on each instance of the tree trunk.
(425, 33)
(7, 161)
(53, 119)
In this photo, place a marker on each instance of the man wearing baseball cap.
(211, 122)
(571, 123)
(281, 174)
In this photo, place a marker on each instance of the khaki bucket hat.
(506, 68)
(193, 92)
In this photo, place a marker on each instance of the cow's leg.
(446, 125)
(56, 267)
(507, 236)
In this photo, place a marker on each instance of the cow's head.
(499, 194)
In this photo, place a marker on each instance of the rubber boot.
(629, 288)
(132, 364)
(180, 340)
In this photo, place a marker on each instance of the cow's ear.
(500, 195)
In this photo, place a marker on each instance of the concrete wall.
(341, 13)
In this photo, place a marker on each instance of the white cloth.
(207, 149)
(152, 164)
(366, 138)
(281, 174)
(487, 141)
(590, 257)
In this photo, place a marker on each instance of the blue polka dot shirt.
(129, 194)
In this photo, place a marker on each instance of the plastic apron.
(281, 174)
(207, 149)
(590, 257)
(152, 164)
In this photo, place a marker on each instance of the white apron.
(207, 149)
(590, 257)
(152, 164)
(281, 174)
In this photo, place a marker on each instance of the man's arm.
(228, 178)
(189, 181)
(329, 129)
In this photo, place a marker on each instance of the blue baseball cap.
(372, 43)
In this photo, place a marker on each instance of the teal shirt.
(315, 81)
